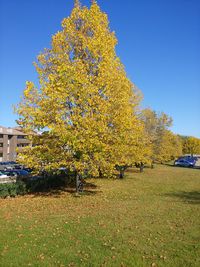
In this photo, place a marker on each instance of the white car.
(3, 175)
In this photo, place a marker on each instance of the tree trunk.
(77, 180)
(79, 184)
(141, 167)
(121, 174)
(100, 173)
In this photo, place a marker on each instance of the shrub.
(47, 183)
(37, 184)
(12, 189)
(21, 188)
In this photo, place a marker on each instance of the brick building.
(10, 139)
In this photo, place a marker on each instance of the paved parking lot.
(198, 163)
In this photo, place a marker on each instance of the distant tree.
(85, 103)
(165, 144)
(137, 150)
(191, 145)
(168, 147)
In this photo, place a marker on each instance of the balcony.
(22, 141)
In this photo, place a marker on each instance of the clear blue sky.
(159, 44)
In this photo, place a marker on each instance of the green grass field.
(147, 219)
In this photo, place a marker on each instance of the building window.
(21, 137)
(22, 145)
(1, 144)
(1, 135)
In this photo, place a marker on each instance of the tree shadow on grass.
(132, 170)
(192, 197)
(169, 164)
(89, 189)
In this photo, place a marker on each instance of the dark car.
(192, 159)
(27, 169)
(184, 162)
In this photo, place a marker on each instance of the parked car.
(10, 173)
(9, 165)
(3, 175)
(190, 158)
(27, 169)
(2, 166)
(184, 162)
(17, 173)
(13, 166)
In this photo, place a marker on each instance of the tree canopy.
(85, 106)
(85, 110)
(165, 144)
(191, 145)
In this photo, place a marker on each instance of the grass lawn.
(147, 219)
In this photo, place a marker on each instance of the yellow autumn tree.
(191, 145)
(85, 106)
(165, 144)
(169, 147)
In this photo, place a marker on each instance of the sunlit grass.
(148, 219)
